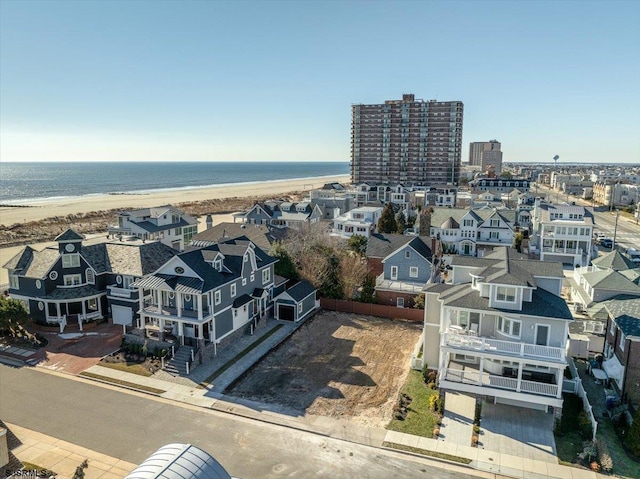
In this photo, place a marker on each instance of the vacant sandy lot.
(338, 365)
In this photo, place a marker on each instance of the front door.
(542, 334)
(466, 249)
(394, 272)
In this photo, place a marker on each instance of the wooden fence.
(379, 310)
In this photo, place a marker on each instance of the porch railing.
(498, 346)
(500, 382)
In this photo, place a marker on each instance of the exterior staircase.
(176, 366)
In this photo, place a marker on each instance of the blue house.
(76, 282)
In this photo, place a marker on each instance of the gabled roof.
(68, 235)
(632, 275)
(261, 235)
(613, 260)
(450, 224)
(381, 245)
(41, 262)
(150, 227)
(611, 280)
(625, 311)
(233, 251)
(300, 290)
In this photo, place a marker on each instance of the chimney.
(209, 222)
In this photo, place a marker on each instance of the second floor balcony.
(470, 342)
(400, 286)
(153, 309)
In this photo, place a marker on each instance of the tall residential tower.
(485, 154)
(408, 141)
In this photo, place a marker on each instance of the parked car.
(606, 242)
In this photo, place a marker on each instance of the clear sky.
(212, 80)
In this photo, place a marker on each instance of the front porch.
(513, 382)
(67, 305)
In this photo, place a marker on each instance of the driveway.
(518, 432)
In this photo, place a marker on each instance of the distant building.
(477, 150)
(406, 141)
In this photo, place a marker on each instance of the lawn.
(623, 465)
(133, 368)
(420, 420)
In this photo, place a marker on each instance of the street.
(131, 426)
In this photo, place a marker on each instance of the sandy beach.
(61, 207)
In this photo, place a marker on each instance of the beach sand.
(61, 207)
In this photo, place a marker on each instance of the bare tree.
(353, 270)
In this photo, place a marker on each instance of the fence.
(582, 394)
(379, 310)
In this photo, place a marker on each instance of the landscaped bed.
(135, 359)
(338, 365)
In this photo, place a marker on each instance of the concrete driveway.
(518, 432)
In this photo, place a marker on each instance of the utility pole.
(615, 230)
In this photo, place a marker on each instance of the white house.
(358, 221)
(563, 233)
(499, 329)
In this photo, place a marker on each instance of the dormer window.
(217, 264)
(506, 294)
(70, 260)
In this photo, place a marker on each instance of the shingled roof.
(614, 260)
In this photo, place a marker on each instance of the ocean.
(21, 183)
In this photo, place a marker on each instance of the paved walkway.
(457, 420)
(63, 457)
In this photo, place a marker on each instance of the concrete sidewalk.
(63, 458)
(457, 420)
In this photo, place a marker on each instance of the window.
(233, 290)
(400, 302)
(218, 297)
(494, 234)
(187, 297)
(622, 341)
(468, 222)
(25, 305)
(70, 260)
(53, 275)
(495, 223)
(266, 276)
(178, 231)
(92, 303)
(300, 308)
(463, 319)
(509, 327)
(71, 279)
(407, 254)
(13, 281)
(244, 281)
(252, 277)
(506, 294)
(91, 276)
(413, 272)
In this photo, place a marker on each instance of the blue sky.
(162, 80)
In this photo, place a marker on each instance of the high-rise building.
(408, 141)
(477, 148)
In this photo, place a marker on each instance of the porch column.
(58, 309)
(179, 304)
(99, 302)
(181, 332)
(200, 329)
(481, 371)
(559, 380)
(200, 307)
(211, 332)
(140, 304)
(159, 298)
(518, 386)
(84, 308)
(161, 329)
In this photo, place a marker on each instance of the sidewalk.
(457, 421)
(63, 457)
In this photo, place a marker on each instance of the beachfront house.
(166, 224)
(207, 296)
(499, 329)
(358, 221)
(73, 282)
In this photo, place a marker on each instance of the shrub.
(633, 436)
(476, 429)
(425, 372)
(435, 403)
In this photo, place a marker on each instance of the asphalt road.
(131, 426)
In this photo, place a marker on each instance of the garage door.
(285, 313)
(121, 315)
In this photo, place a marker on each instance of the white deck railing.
(516, 348)
(500, 382)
